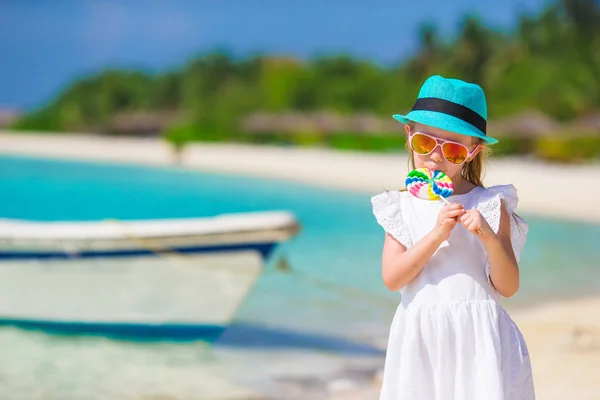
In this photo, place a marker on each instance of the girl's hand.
(447, 219)
(474, 222)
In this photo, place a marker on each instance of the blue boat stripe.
(263, 248)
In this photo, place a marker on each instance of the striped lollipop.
(429, 185)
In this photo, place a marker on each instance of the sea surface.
(328, 316)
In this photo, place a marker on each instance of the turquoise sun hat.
(450, 104)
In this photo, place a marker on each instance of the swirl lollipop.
(429, 185)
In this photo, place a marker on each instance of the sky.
(45, 45)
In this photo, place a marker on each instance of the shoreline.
(538, 183)
(563, 334)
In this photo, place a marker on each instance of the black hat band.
(454, 109)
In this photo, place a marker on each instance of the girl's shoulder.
(505, 189)
(507, 194)
(397, 202)
(390, 196)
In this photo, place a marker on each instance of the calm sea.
(334, 289)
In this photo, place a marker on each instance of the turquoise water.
(340, 243)
(335, 288)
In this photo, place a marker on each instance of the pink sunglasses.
(453, 152)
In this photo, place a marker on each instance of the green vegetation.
(550, 64)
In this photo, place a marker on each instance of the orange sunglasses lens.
(423, 144)
(454, 153)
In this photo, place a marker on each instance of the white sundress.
(450, 339)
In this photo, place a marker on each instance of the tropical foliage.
(550, 63)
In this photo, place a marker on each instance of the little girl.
(450, 338)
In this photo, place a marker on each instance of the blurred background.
(177, 112)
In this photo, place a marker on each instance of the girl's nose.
(436, 156)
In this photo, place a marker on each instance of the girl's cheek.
(454, 169)
(419, 159)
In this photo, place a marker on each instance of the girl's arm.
(504, 269)
(400, 266)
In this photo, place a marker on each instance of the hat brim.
(445, 122)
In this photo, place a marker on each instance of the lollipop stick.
(444, 200)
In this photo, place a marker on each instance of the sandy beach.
(563, 336)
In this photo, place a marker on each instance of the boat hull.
(174, 296)
(155, 279)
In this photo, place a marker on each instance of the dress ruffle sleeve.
(388, 212)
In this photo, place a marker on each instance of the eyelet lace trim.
(387, 211)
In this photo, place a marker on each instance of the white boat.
(172, 279)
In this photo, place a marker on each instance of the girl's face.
(435, 159)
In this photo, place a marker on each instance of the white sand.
(563, 337)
